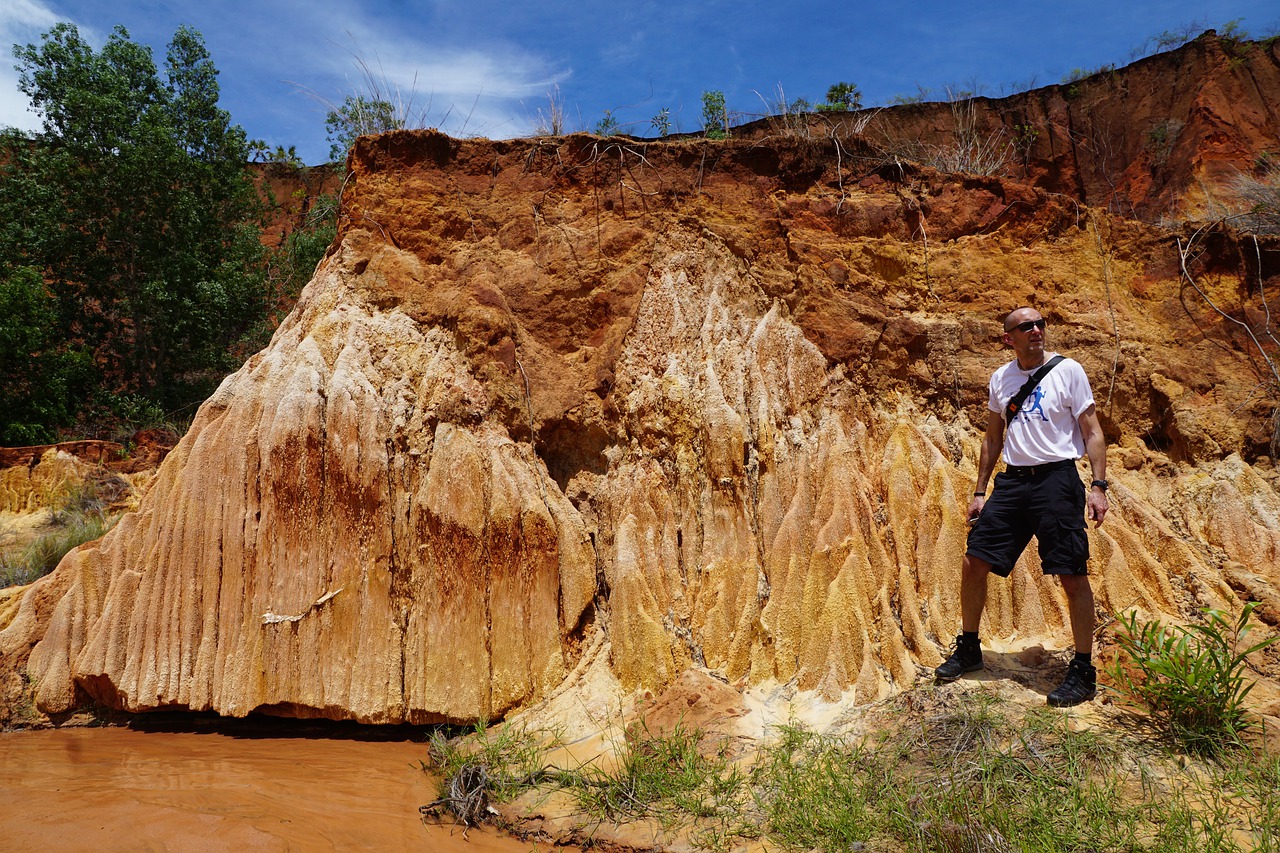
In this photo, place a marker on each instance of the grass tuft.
(675, 778)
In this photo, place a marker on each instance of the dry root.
(467, 798)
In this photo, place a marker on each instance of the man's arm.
(1095, 447)
(992, 443)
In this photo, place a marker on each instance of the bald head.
(1020, 315)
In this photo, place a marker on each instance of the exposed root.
(467, 798)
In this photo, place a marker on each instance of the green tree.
(607, 126)
(135, 205)
(42, 372)
(261, 152)
(842, 97)
(358, 116)
(715, 118)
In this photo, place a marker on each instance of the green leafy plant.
(948, 772)
(1234, 40)
(135, 206)
(842, 97)
(489, 765)
(1161, 138)
(608, 125)
(356, 116)
(1025, 136)
(1173, 39)
(715, 118)
(814, 791)
(1190, 678)
(511, 755)
(922, 95)
(44, 373)
(1078, 74)
(261, 152)
(662, 122)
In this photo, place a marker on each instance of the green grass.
(512, 755)
(667, 777)
(79, 516)
(976, 774)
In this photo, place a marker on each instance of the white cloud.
(21, 22)
(28, 14)
(472, 90)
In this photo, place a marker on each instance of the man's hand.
(1096, 506)
(975, 508)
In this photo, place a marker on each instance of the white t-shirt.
(1047, 428)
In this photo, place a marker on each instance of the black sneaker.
(1080, 685)
(965, 657)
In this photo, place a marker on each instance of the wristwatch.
(1099, 484)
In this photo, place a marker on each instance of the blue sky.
(489, 67)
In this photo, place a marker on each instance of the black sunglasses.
(1029, 325)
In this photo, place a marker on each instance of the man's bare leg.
(967, 655)
(973, 592)
(1080, 610)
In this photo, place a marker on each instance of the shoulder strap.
(1015, 402)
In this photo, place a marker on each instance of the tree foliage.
(41, 372)
(715, 117)
(842, 97)
(134, 209)
(358, 116)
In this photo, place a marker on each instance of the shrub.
(1190, 678)
(1161, 138)
(511, 757)
(715, 118)
(815, 792)
(842, 96)
(662, 121)
(608, 125)
(968, 772)
(44, 374)
(489, 766)
(1261, 196)
(152, 290)
(666, 775)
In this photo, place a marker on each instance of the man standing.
(1039, 493)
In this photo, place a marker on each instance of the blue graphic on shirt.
(1034, 407)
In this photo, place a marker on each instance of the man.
(1039, 493)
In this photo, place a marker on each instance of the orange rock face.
(715, 402)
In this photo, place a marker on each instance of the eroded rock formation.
(694, 404)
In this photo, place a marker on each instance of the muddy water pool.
(247, 788)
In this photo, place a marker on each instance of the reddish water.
(242, 789)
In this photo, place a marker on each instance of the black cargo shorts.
(1046, 501)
